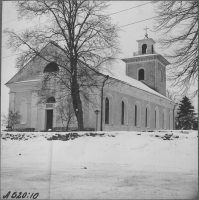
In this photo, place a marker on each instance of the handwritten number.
(7, 195)
(14, 195)
(24, 195)
(35, 195)
(31, 195)
(19, 196)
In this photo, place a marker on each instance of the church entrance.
(49, 119)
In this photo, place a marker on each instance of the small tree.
(66, 112)
(12, 119)
(185, 116)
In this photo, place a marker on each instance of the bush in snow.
(10, 120)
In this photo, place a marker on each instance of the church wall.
(152, 71)
(20, 95)
(119, 95)
(161, 85)
(149, 68)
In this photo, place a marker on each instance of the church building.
(135, 101)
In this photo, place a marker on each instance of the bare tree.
(85, 39)
(177, 23)
(12, 119)
(173, 96)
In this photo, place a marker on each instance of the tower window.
(107, 111)
(141, 74)
(144, 49)
(51, 67)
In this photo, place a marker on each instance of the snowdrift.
(171, 150)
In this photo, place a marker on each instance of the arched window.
(144, 49)
(122, 112)
(164, 125)
(137, 114)
(50, 103)
(170, 120)
(51, 100)
(107, 111)
(147, 117)
(51, 67)
(161, 76)
(156, 117)
(141, 74)
(23, 111)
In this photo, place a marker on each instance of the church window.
(23, 111)
(107, 111)
(144, 49)
(141, 74)
(147, 119)
(161, 75)
(137, 114)
(170, 120)
(51, 100)
(122, 112)
(51, 67)
(156, 117)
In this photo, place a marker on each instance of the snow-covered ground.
(114, 165)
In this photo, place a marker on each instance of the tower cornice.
(146, 57)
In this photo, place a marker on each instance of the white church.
(135, 102)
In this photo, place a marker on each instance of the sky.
(128, 37)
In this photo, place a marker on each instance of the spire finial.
(146, 35)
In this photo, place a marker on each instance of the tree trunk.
(77, 103)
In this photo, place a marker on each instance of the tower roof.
(148, 40)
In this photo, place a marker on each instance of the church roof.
(135, 83)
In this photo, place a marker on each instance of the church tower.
(148, 66)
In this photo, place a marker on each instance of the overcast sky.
(128, 36)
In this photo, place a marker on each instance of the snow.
(135, 83)
(114, 165)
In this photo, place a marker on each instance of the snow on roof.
(135, 83)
